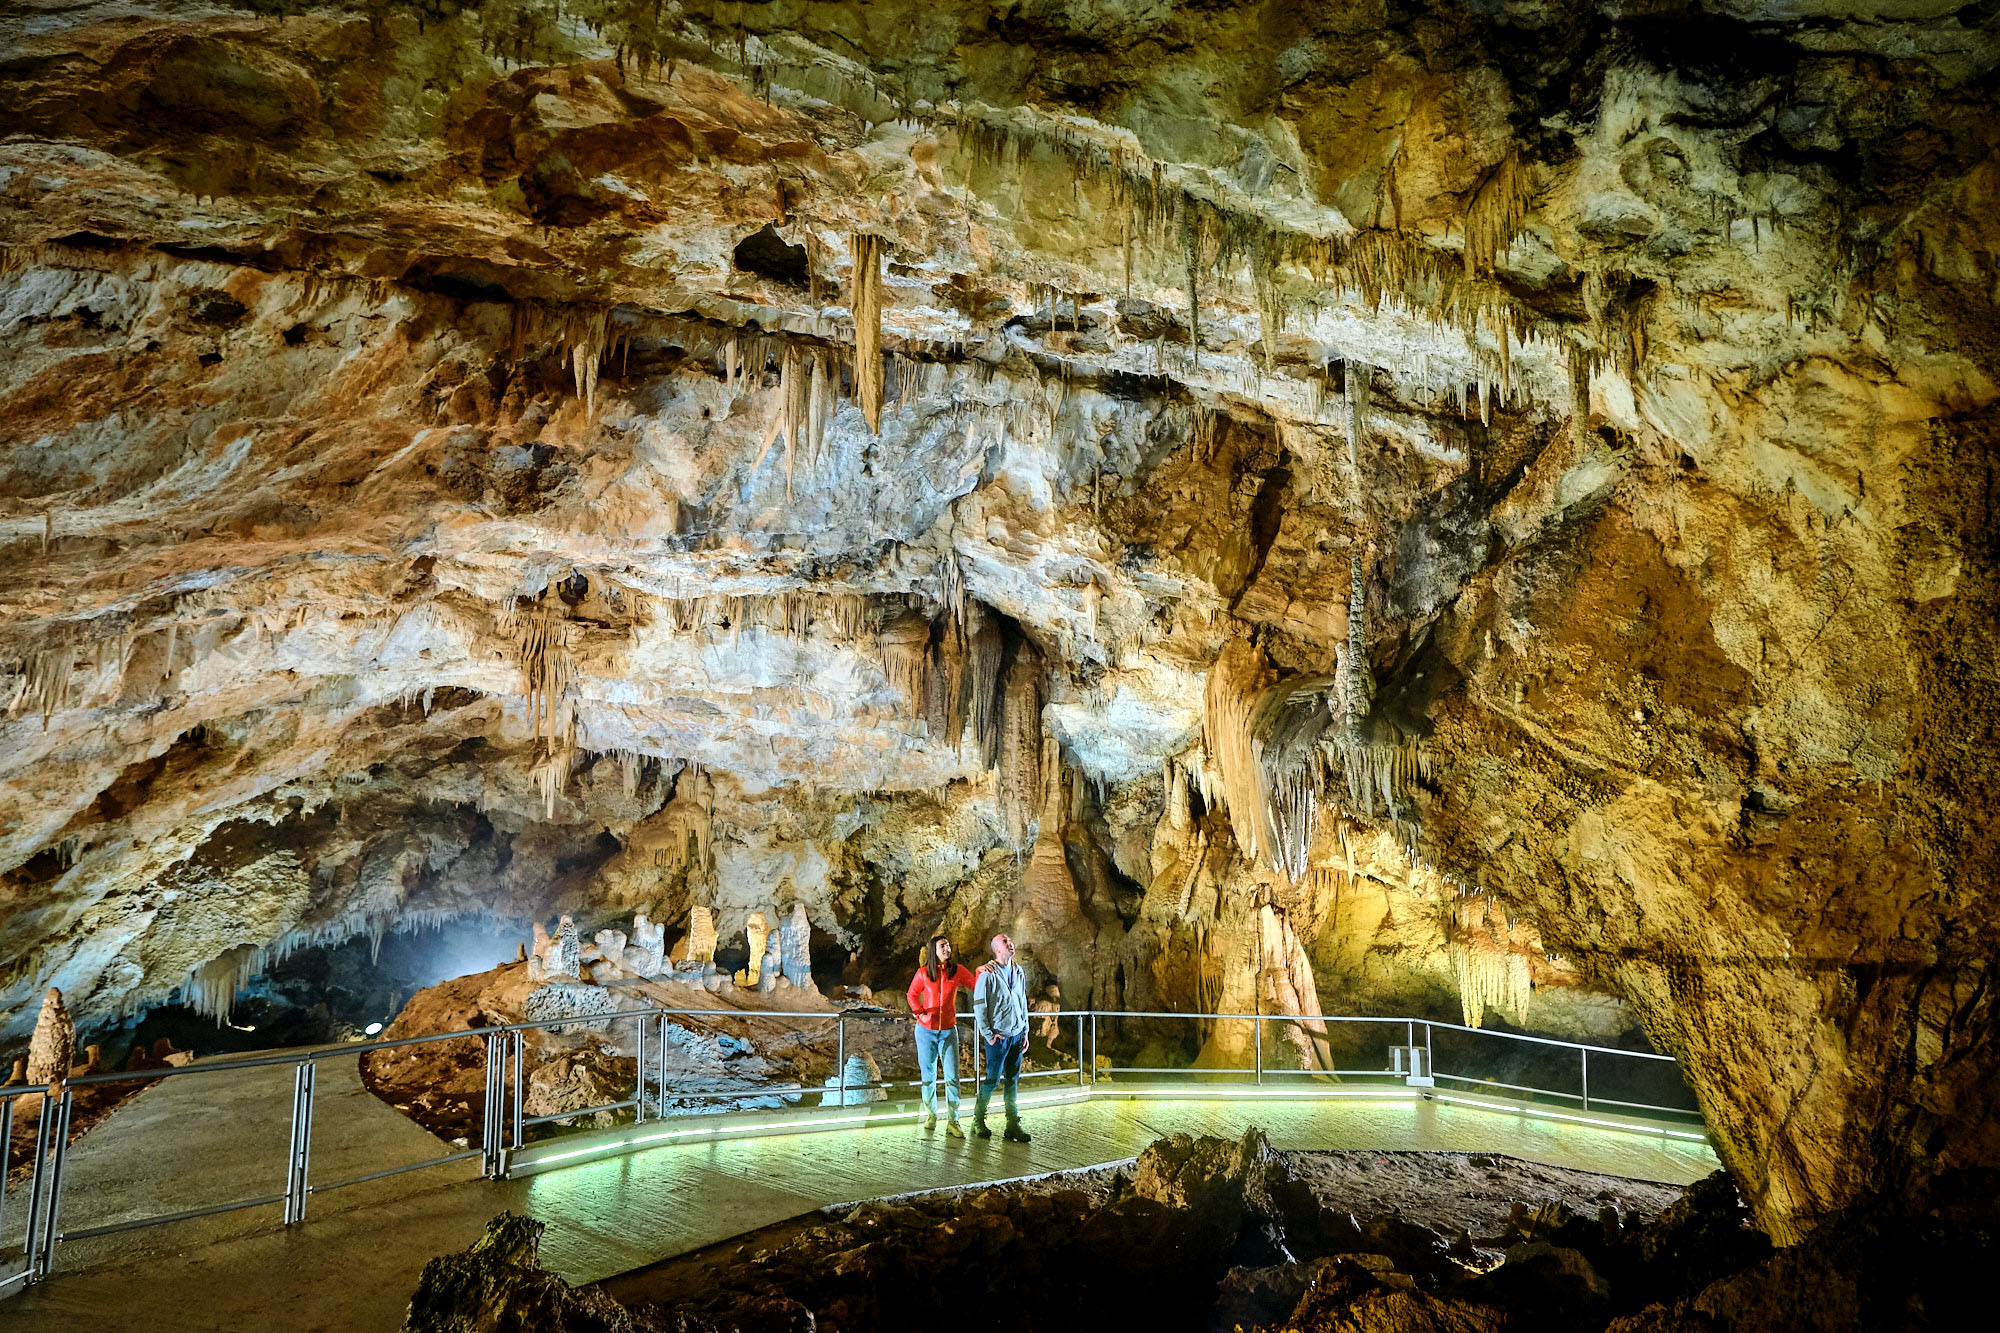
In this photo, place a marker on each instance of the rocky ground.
(761, 1052)
(1205, 1234)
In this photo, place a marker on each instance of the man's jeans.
(1003, 1061)
(931, 1047)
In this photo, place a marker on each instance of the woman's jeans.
(1003, 1062)
(931, 1046)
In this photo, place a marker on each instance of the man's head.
(1003, 949)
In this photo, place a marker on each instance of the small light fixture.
(371, 1029)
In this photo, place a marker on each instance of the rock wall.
(671, 455)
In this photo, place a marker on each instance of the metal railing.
(1324, 1047)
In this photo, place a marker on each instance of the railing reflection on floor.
(1326, 1055)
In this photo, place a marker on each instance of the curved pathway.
(194, 1140)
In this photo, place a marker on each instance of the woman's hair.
(933, 965)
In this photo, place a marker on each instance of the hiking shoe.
(952, 1131)
(980, 1131)
(1015, 1134)
(930, 1122)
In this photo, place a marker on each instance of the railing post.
(519, 1044)
(1093, 1048)
(491, 1130)
(1079, 1050)
(58, 1142)
(299, 1169)
(1257, 1030)
(639, 1075)
(660, 1065)
(6, 1150)
(1584, 1051)
(31, 1242)
(840, 1054)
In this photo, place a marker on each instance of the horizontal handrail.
(338, 1050)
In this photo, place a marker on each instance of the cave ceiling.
(444, 444)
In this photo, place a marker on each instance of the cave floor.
(352, 1265)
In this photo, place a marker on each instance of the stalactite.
(551, 773)
(1356, 683)
(1240, 675)
(867, 306)
(985, 648)
(1579, 398)
(1360, 378)
(1021, 745)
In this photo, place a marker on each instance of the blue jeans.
(1003, 1061)
(931, 1048)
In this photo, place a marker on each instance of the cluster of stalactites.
(1282, 754)
(1489, 962)
(681, 836)
(211, 988)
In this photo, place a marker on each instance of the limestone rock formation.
(52, 1049)
(697, 947)
(759, 933)
(647, 954)
(1368, 461)
(794, 935)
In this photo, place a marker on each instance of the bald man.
(1000, 1017)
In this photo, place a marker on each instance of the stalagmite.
(795, 947)
(1050, 921)
(759, 931)
(647, 953)
(1286, 986)
(697, 947)
(565, 957)
(52, 1048)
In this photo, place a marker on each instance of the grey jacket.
(1000, 1003)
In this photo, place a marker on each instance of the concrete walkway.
(351, 1266)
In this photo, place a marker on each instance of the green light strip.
(1072, 1096)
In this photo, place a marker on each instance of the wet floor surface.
(354, 1261)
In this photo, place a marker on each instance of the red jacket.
(935, 1003)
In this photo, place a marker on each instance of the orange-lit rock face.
(423, 435)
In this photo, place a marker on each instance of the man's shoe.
(1015, 1134)
(930, 1121)
(980, 1131)
(952, 1131)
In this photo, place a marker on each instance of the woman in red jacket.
(934, 1004)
